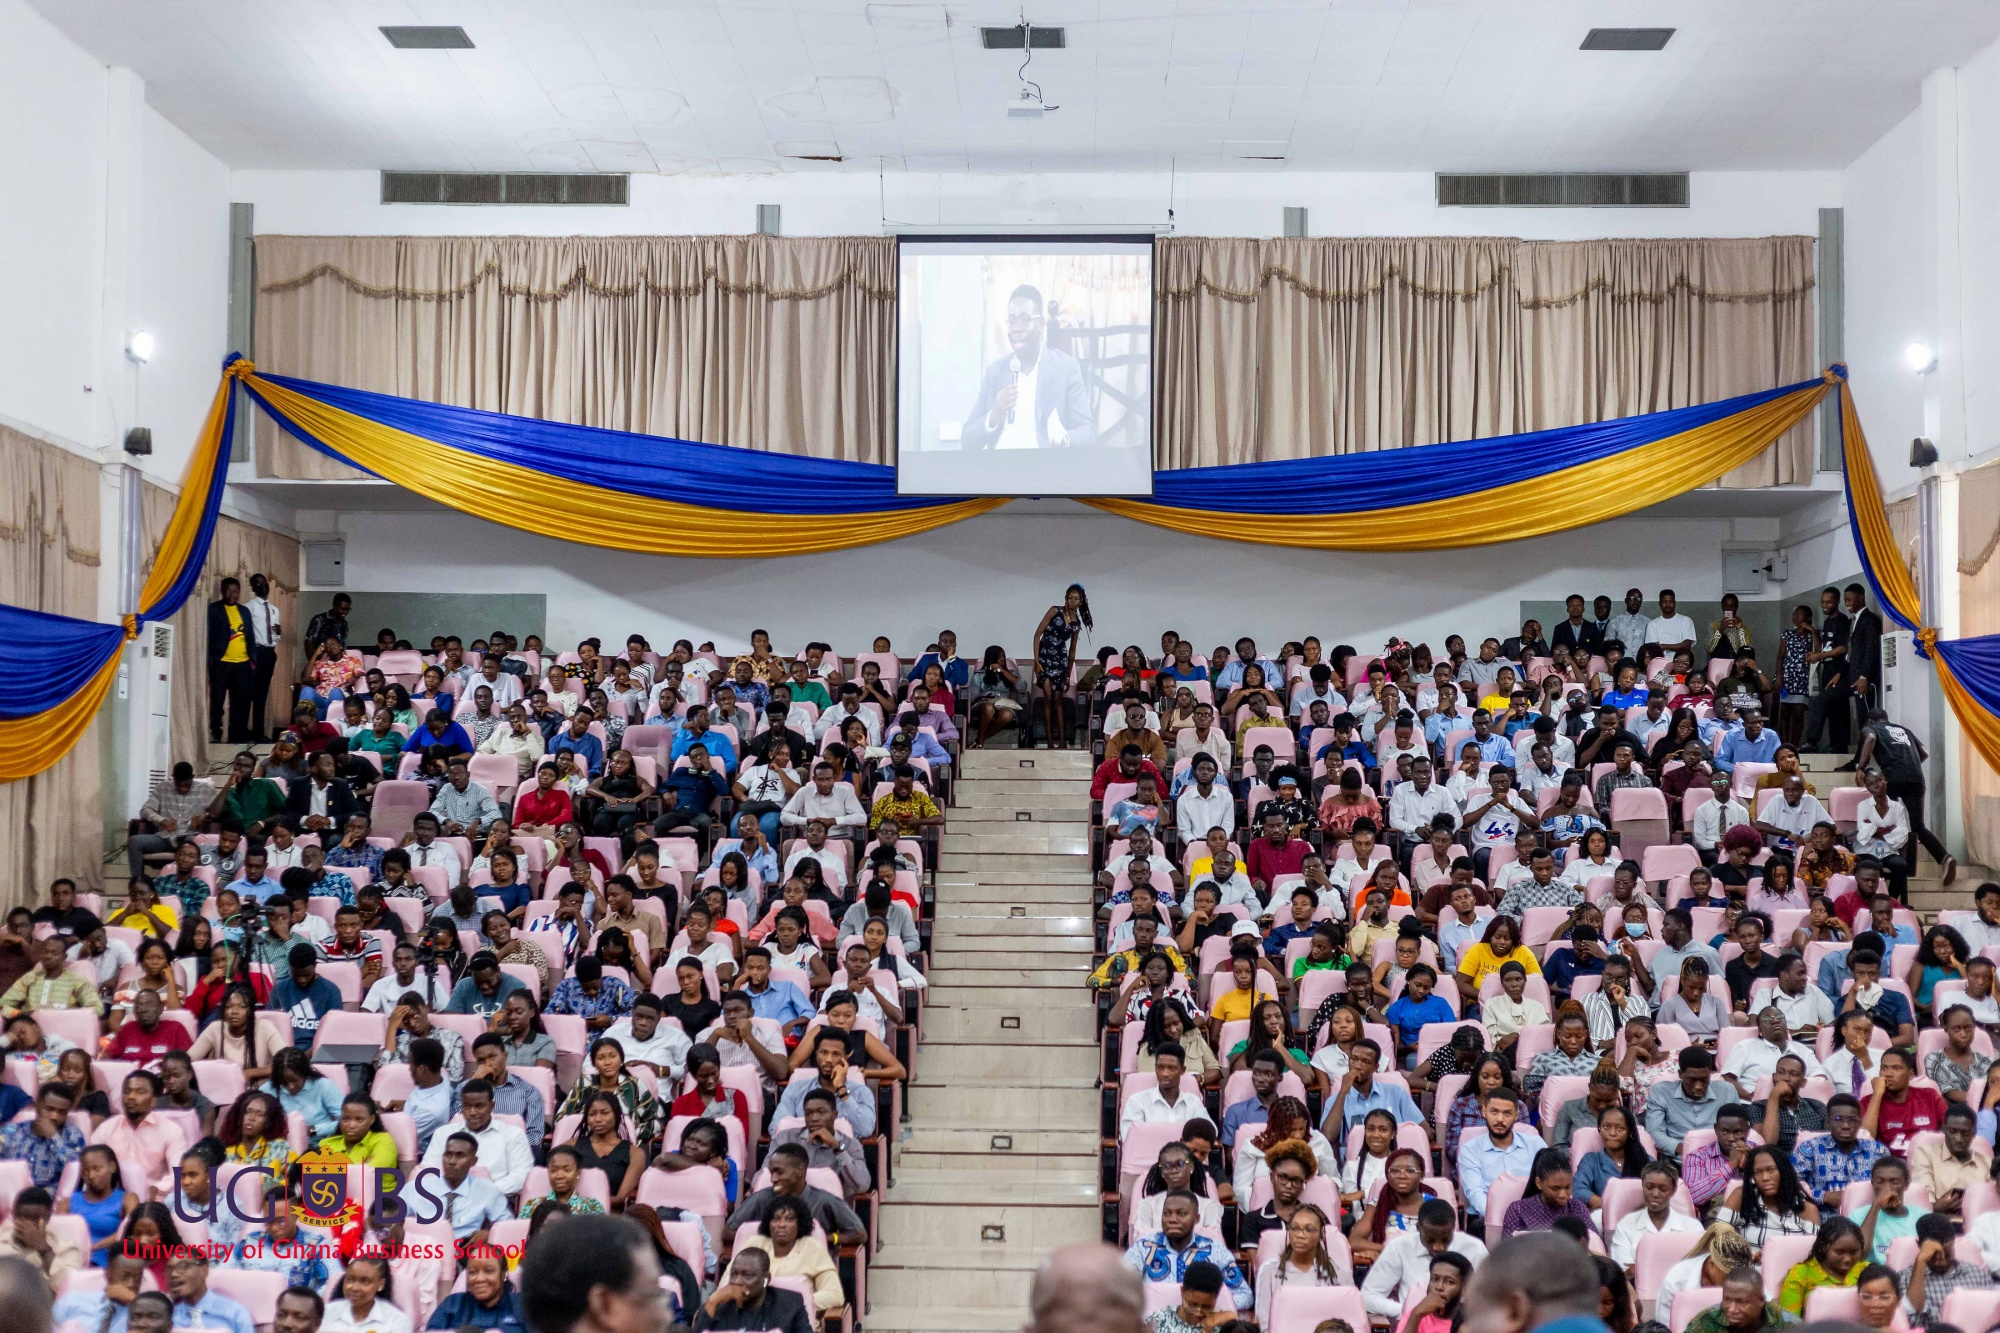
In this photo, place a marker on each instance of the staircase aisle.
(1002, 1165)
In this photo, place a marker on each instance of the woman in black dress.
(1055, 654)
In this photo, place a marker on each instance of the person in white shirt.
(1804, 1007)
(1167, 1102)
(1717, 817)
(361, 1307)
(506, 687)
(1657, 1183)
(282, 851)
(1755, 1057)
(824, 798)
(1672, 633)
(1983, 932)
(503, 1148)
(427, 849)
(516, 737)
(1206, 804)
(385, 994)
(1562, 750)
(1403, 1269)
(1790, 818)
(1417, 802)
(1141, 848)
(1882, 824)
(834, 719)
(832, 865)
(663, 1046)
(261, 619)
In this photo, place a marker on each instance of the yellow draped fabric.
(29, 745)
(502, 492)
(1572, 498)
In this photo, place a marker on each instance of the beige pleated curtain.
(767, 343)
(1292, 348)
(50, 824)
(1267, 349)
(239, 550)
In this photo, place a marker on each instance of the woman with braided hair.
(1304, 1262)
(1287, 1120)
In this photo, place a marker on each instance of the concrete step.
(1051, 883)
(966, 928)
(1014, 840)
(1002, 950)
(940, 1216)
(1061, 1020)
(1051, 975)
(1004, 763)
(992, 867)
(971, 1148)
(1006, 1000)
(1051, 816)
(1008, 1107)
(930, 1282)
(912, 1318)
(1039, 1064)
(989, 791)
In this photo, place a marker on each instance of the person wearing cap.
(306, 995)
(1672, 1109)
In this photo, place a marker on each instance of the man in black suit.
(231, 665)
(322, 803)
(1020, 392)
(1864, 652)
(1577, 632)
(1830, 706)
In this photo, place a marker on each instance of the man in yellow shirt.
(905, 803)
(230, 670)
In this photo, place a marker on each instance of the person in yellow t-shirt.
(1236, 1003)
(1500, 944)
(230, 672)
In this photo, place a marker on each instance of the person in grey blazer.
(1058, 385)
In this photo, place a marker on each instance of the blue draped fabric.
(713, 476)
(46, 658)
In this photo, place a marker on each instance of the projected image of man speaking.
(1034, 398)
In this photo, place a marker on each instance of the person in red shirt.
(710, 1096)
(545, 809)
(313, 734)
(1276, 853)
(1894, 1112)
(1125, 766)
(145, 1038)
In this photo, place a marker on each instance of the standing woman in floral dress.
(1055, 654)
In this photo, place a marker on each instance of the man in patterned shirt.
(1540, 889)
(183, 885)
(597, 999)
(48, 1143)
(1938, 1271)
(353, 850)
(396, 880)
(174, 810)
(1828, 1165)
(906, 805)
(1709, 1170)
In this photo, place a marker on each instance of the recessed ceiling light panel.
(427, 37)
(1627, 39)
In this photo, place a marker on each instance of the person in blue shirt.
(194, 1304)
(922, 745)
(1889, 1010)
(439, 729)
(588, 749)
(693, 786)
(305, 995)
(483, 988)
(1267, 1067)
(1360, 1092)
(957, 671)
(1585, 956)
(488, 1301)
(779, 1001)
(1756, 744)
(1493, 749)
(757, 852)
(1301, 927)
(1231, 675)
(1416, 1006)
(696, 731)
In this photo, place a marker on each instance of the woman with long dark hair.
(1551, 1195)
(671, 1265)
(991, 691)
(1769, 1201)
(1622, 1156)
(1393, 1211)
(1055, 655)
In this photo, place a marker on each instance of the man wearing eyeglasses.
(1034, 397)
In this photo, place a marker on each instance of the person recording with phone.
(1035, 396)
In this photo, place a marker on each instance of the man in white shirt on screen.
(1035, 396)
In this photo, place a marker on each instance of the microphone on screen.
(1014, 368)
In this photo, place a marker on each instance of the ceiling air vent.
(1009, 39)
(1571, 189)
(1627, 39)
(503, 187)
(427, 38)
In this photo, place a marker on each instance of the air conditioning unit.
(1906, 684)
(146, 695)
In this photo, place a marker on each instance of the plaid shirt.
(1823, 1167)
(1706, 1173)
(1937, 1286)
(1526, 893)
(1550, 1064)
(191, 892)
(187, 811)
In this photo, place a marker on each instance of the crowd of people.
(672, 975)
(1389, 971)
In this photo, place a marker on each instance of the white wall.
(113, 221)
(992, 577)
(342, 203)
(1884, 216)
